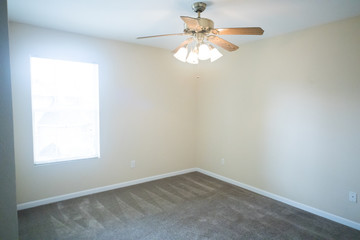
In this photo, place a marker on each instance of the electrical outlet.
(352, 196)
(222, 161)
(132, 163)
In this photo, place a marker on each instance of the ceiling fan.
(202, 35)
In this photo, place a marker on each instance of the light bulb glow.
(215, 55)
(181, 54)
(193, 57)
(204, 52)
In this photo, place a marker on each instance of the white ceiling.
(125, 20)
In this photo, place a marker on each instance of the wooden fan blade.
(187, 41)
(164, 35)
(191, 23)
(239, 31)
(222, 43)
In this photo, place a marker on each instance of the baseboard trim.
(304, 207)
(287, 201)
(45, 201)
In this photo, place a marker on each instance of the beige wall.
(285, 114)
(147, 112)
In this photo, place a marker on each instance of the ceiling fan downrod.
(199, 7)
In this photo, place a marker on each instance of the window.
(65, 110)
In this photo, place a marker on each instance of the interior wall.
(146, 102)
(8, 214)
(284, 113)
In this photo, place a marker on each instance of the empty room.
(179, 119)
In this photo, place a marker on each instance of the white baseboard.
(287, 201)
(40, 202)
(304, 207)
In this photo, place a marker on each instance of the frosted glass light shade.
(181, 54)
(204, 52)
(193, 58)
(215, 55)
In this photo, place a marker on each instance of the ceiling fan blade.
(191, 23)
(222, 43)
(164, 35)
(184, 43)
(239, 31)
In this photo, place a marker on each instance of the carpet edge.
(287, 201)
(68, 196)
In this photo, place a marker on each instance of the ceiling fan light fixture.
(193, 57)
(202, 34)
(215, 54)
(181, 54)
(204, 52)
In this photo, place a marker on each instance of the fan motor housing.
(206, 23)
(205, 26)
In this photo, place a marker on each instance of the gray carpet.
(189, 206)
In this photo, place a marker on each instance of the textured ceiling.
(125, 20)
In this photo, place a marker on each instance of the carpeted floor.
(189, 206)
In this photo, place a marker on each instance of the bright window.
(65, 110)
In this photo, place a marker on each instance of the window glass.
(65, 110)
